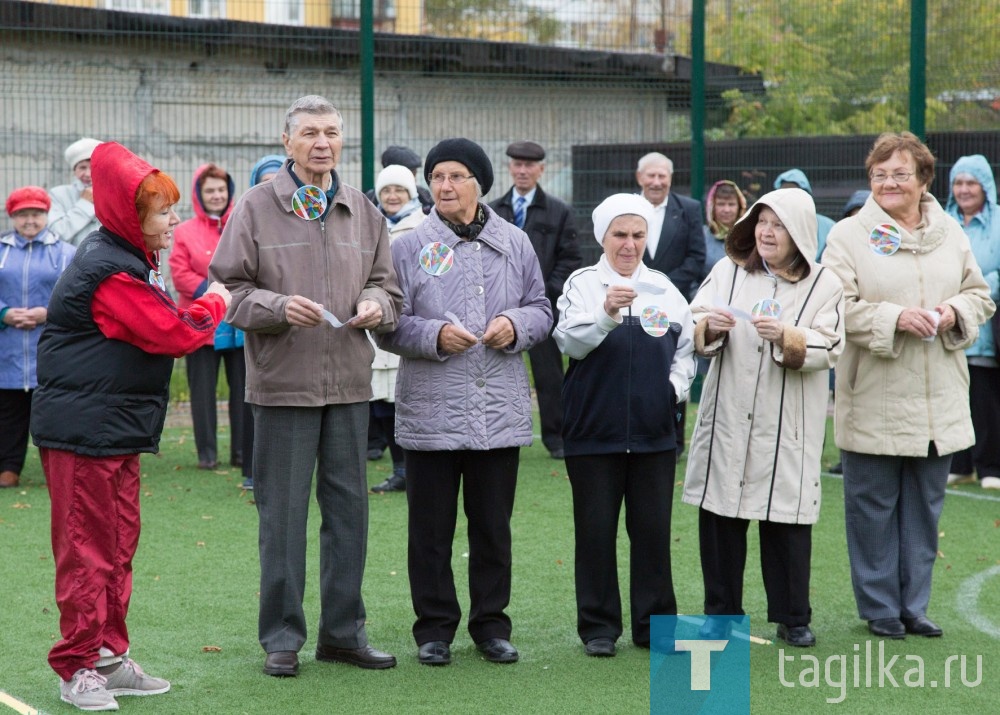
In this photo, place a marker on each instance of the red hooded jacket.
(124, 308)
(195, 241)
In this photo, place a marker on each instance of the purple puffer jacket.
(479, 399)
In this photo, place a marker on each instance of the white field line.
(967, 602)
(16, 705)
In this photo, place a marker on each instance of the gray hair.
(655, 157)
(310, 104)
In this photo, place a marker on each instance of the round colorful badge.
(766, 308)
(654, 321)
(309, 202)
(436, 258)
(884, 239)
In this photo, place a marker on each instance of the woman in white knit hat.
(630, 338)
(396, 191)
(72, 216)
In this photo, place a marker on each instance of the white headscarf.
(619, 205)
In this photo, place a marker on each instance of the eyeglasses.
(900, 177)
(454, 179)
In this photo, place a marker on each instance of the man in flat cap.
(549, 224)
(72, 215)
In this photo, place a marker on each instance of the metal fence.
(188, 81)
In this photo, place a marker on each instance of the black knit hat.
(402, 155)
(465, 152)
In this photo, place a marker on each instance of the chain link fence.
(183, 82)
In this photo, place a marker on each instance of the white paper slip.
(645, 287)
(454, 320)
(719, 303)
(331, 319)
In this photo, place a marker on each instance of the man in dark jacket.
(676, 242)
(549, 224)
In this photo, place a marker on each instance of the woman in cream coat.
(915, 299)
(771, 320)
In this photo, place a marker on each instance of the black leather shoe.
(365, 657)
(207, 464)
(395, 483)
(798, 636)
(375, 454)
(837, 468)
(600, 648)
(434, 653)
(498, 650)
(922, 626)
(282, 664)
(557, 453)
(887, 628)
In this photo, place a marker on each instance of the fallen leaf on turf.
(559, 562)
(211, 649)
(20, 505)
(202, 543)
(207, 517)
(392, 573)
(939, 554)
(996, 524)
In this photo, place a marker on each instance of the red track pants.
(95, 531)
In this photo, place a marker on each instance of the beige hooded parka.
(755, 452)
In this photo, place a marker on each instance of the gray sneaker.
(129, 679)
(86, 690)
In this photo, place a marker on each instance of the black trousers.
(983, 457)
(203, 377)
(547, 371)
(15, 414)
(432, 486)
(785, 551)
(646, 484)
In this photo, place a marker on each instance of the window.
(159, 7)
(285, 12)
(207, 8)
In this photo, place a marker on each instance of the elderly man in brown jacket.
(307, 261)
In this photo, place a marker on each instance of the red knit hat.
(28, 197)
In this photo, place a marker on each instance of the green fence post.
(367, 95)
(918, 66)
(697, 98)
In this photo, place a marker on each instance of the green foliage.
(842, 67)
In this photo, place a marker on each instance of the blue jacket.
(28, 273)
(823, 223)
(984, 236)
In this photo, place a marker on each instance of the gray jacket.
(478, 399)
(71, 218)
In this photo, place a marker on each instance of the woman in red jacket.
(105, 357)
(195, 241)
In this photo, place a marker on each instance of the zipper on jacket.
(628, 390)
(26, 334)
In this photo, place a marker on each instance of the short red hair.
(157, 191)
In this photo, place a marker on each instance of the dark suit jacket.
(550, 226)
(681, 250)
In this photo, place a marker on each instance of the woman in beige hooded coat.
(771, 319)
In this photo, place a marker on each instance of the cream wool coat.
(895, 392)
(755, 452)
(385, 365)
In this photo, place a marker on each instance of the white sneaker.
(86, 691)
(990, 482)
(130, 679)
(955, 479)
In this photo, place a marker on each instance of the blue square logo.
(699, 665)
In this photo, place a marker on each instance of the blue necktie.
(519, 211)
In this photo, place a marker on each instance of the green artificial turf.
(194, 609)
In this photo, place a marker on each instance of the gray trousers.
(289, 443)
(892, 506)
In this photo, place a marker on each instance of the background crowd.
(406, 314)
